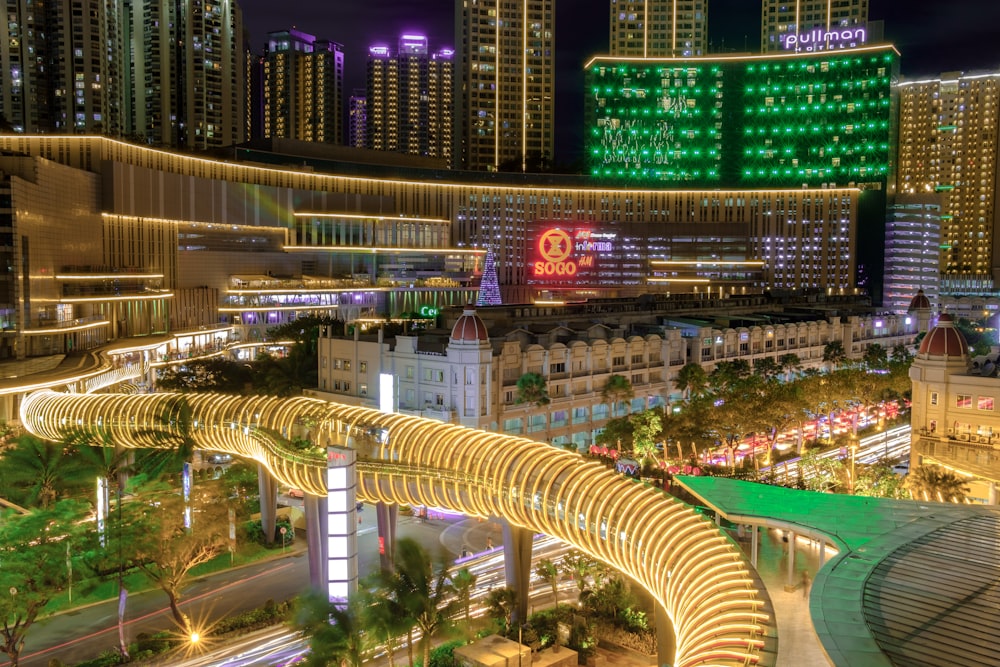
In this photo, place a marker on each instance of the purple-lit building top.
(408, 101)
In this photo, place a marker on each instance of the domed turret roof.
(919, 302)
(944, 340)
(469, 328)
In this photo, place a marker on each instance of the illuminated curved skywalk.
(698, 576)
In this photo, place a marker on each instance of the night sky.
(933, 36)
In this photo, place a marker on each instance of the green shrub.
(255, 533)
(444, 654)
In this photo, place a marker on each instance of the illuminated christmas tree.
(489, 288)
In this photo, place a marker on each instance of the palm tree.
(616, 390)
(549, 573)
(875, 356)
(766, 367)
(423, 593)
(387, 615)
(336, 632)
(834, 353)
(930, 482)
(579, 566)
(789, 363)
(464, 582)
(40, 470)
(502, 602)
(532, 388)
(692, 380)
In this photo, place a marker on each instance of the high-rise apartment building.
(912, 239)
(813, 25)
(658, 28)
(50, 67)
(409, 99)
(506, 83)
(188, 73)
(357, 119)
(170, 73)
(303, 88)
(948, 129)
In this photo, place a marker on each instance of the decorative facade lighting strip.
(697, 575)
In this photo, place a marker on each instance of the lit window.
(985, 403)
(963, 401)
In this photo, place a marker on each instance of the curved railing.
(698, 576)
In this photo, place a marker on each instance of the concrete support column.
(268, 487)
(517, 543)
(822, 553)
(385, 516)
(666, 642)
(341, 536)
(992, 497)
(754, 544)
(315, 511)
(790, 569)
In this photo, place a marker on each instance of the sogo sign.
(555, 247)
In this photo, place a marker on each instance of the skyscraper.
(303, 88)
(658, 28)
(912, 239)
(948, 130)
(506, 84)
(50, 67)
(188, 73)
(357, 119)
(783, 20)
(168, 72)
(409, 99)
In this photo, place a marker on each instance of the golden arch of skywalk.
(698, 576)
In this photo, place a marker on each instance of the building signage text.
(819, 39)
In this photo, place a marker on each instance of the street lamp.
(854, 452)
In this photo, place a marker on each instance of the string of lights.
(698, 576)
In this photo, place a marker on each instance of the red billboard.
(566, 255)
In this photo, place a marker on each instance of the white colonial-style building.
(469, 375)
(956, 409)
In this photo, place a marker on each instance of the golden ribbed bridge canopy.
(697, 574)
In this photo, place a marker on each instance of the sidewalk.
(798, 645)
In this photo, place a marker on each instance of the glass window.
(963, 401)
(985, 403)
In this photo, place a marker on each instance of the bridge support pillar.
(666, 642)
(517, 544)
(754, 544)
(316, 523)
(385, 516)
(992, 499)
(268, 487)
(341, 534)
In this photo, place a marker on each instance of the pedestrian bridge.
(696, 574)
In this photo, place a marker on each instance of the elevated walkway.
(912, 583)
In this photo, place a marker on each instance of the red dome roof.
(469, 327)
(919, 302)
(944, 340)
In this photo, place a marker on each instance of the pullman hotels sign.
(820, 39)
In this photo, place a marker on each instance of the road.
(892, 444)
(84, 633)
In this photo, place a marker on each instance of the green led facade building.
(775, 120)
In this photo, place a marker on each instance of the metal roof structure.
(914, 583)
